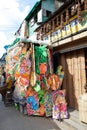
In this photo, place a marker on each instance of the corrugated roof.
(32, 10)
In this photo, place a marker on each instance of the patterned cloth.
(48, 104)
(32, 104)
(59, 105)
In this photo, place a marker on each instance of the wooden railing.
(62, 18)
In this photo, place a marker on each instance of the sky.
(12, 14)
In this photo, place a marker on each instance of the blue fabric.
(6, 47)
(33, 103)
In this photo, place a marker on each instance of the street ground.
(12, 119)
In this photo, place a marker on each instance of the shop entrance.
(75, 77)
(56, 61)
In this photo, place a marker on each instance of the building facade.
(66, 30)
(38, 14)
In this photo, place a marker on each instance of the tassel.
(73, 10)
(79, 13)
(85, 5)
(53, 27)
(67, 16)
(38, 36)
(44, 29)
(62, 22)
(49, 26)
(57, 18)
(41, 33)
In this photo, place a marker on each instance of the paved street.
(11, 119)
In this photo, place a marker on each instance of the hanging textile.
(48, 104)
(59, 105)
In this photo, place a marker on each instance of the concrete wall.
(31, 29)
(48, 5)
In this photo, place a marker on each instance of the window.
(46, 13)
(32, 22)
(35, 18)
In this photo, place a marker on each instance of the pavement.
(12, 119)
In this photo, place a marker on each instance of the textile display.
(39, 69)
(35, 102)
(35, 83)
(59, 105)
(18, 67)
(33, 74)
(40, 57)
(48, 104)
(53, 82)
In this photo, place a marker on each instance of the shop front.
(37, 87)
(67, 32)
(73, 58)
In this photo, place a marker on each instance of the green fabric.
(10, 72)
(37, 87)
(16, 106)
(40, 56)
(41, 94)
(16, 67)
(44, 81)
(22, 56)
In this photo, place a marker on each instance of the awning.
(73, 48)
(34, 41)
(27, 40)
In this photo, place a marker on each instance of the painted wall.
(48, 5)
(41, 17)
(32, 28)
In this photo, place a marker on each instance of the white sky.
(12, 13)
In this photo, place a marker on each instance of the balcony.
(68, 21)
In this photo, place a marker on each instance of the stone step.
(73, 123)
(76, 124)
(77, 120)
(74, 116)
(64, 125)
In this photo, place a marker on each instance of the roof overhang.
(27, 40)
(33, 10)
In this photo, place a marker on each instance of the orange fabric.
(16, 57)
(53, 81)
(17, 74)
(43, 68)
(41, 110)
